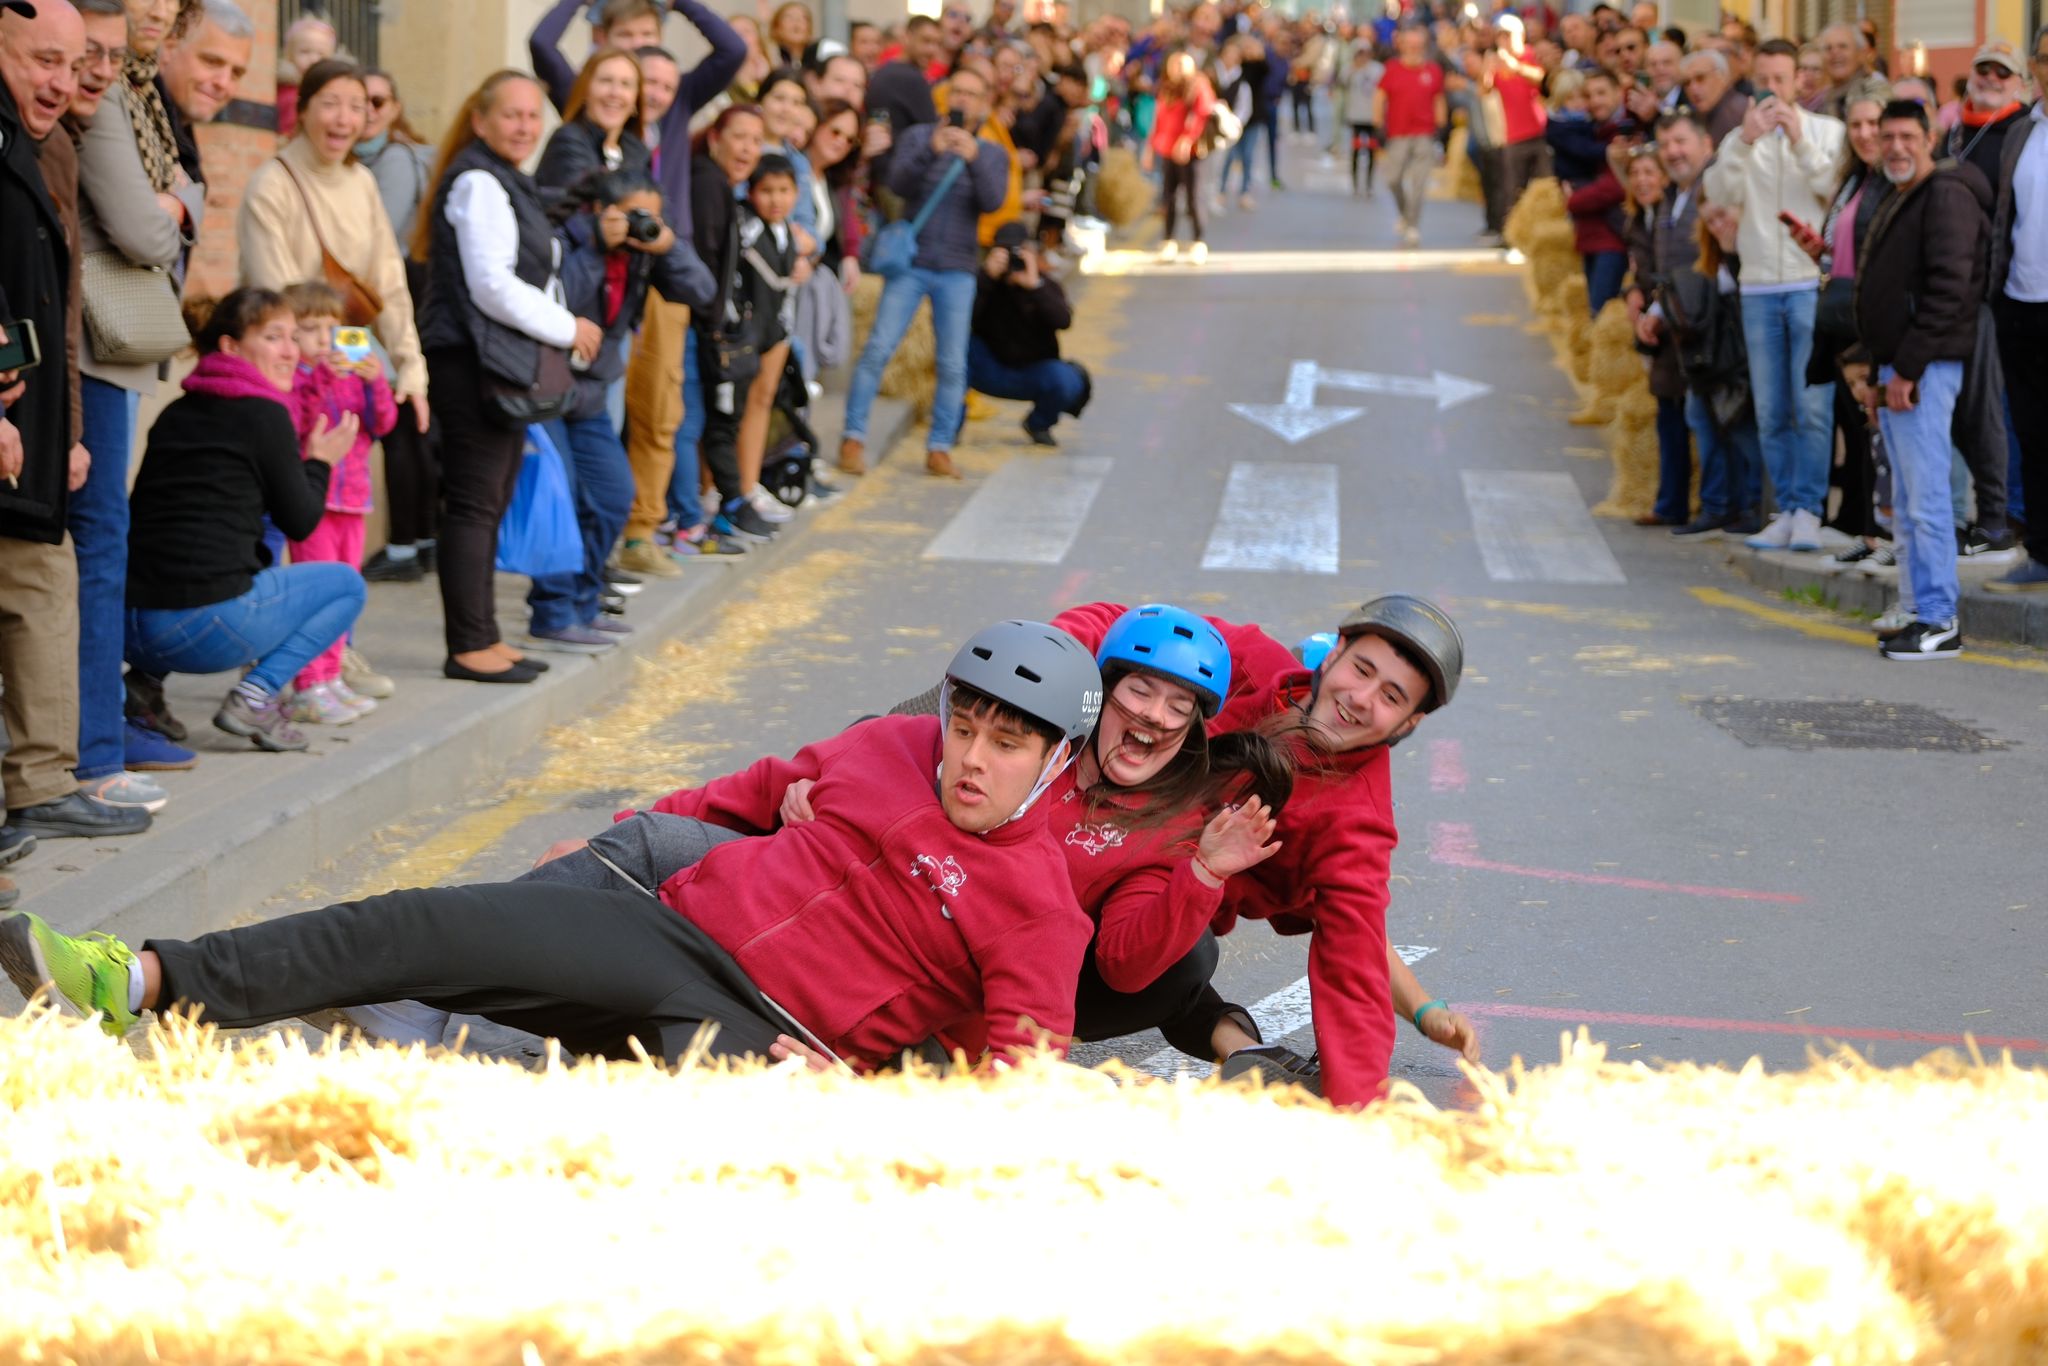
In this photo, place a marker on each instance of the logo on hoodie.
(1096, 838)
(945, 875)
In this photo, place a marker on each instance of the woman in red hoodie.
(906, 909)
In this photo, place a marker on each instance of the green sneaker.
(88, 972)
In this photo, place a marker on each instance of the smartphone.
(353, 343)
(1801, 232)
(23, 349)
(880, 116)
(956, 119)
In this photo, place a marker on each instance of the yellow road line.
(1848, 635)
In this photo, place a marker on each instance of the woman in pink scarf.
(203, 595)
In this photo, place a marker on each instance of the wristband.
(1426, 1007)
(1220, 877)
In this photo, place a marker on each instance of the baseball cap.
(1011, 235)
(1999, 53)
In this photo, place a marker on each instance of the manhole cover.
(1796, 724)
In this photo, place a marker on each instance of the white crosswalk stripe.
(1277, 518)
(1027, 512)
(1534, 528)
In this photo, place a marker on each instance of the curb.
(2018, 619)
(213, 864)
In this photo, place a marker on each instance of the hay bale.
(1553, 258)
(1459, 170)
(1613, 365)
(1632, 449)
(913, 370)
(1122, 194)
(1542, 202)
(402, 1209)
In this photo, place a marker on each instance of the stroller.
(787, 466)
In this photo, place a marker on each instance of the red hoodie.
(881, 923)
(1330, 877)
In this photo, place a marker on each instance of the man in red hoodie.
(1397, 659)
(911, 904)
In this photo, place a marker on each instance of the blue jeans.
(1795, 420)
(1604, 273)
(1240, 155)
(1052, 387)
(281, 624)
(684, 507)
(1271, 123)
(601, 479)
(98, 521)
(952, 296)
(1731, 461)
(1674, 462)
(1918, 442)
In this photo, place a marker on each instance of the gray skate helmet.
(1423, 629)
(1038, 669)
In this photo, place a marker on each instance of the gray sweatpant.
(1409, 162)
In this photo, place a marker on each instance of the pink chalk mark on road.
(1446, 766)
(1454, 845)
(1844, 1033)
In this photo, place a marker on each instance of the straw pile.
(1599, 354)
(1122, 194)
(356, 1206)
(913, 371)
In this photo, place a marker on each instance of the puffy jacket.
(1921, 277)
(1775, 175)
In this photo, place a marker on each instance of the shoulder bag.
(360, 304)
(131, 312)
(891, 251)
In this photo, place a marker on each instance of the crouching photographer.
(1014, 351)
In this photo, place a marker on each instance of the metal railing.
(354, 20)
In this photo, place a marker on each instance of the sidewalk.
(2016, 618)
(244, 825)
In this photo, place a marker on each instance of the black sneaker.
(1856, 553)
(747, 524)
(1745, 523)
(611, 604)
(1705, 524)
(381, 568)
(1276, 1065)
(622, 582)
(145, 706)
(78, 816)
(1987, 547)
(1039, 437)
(1925, 640)
(15, 845)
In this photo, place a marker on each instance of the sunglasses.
(380, 101)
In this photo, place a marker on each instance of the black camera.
(642, 226)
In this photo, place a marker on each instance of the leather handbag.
(544, 400)
(360, 303)
(131, 312)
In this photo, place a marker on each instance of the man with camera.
(1015, 350)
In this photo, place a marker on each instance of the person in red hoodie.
(911, 905)
(1397, 659)
(1593, 192)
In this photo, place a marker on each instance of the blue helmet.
(1312, 650)
(1175, 644)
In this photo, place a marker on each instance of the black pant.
(412, 460)
(591, 968)
(1857, 476)
(1492, 185)
(479, 467)
(2023, 349)
(1184, 181)
(1180, 1004)
(1304, 106)
(1521, 162)
(721, 440)
(1362, 138)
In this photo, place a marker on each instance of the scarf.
(220, 375)
(1974, 118)
(370, 148)
(154, 140)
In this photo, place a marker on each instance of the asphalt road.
(1583, 842)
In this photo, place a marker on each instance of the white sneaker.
(1169, 250)
(1198, 253)
(1776, 535)
(1513, 256)
(1411, 237)
(361, 705)
(363, 680)
(127, 790)
(1804, 533)
(767, 506)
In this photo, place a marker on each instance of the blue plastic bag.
(539, 535)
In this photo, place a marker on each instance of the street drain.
(1794, 724)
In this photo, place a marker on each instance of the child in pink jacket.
(328, 385)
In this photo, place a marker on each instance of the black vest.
(450, 318)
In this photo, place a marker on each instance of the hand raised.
(1239, 837)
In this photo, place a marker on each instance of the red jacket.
(1177, 119)
(1330, 877)
(1596, 210)
(881, 923)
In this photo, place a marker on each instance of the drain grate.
(1807, 724)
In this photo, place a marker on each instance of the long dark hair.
(1207, 771)
(240, 313)
(842, 171)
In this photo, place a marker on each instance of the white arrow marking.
(1297, 418)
